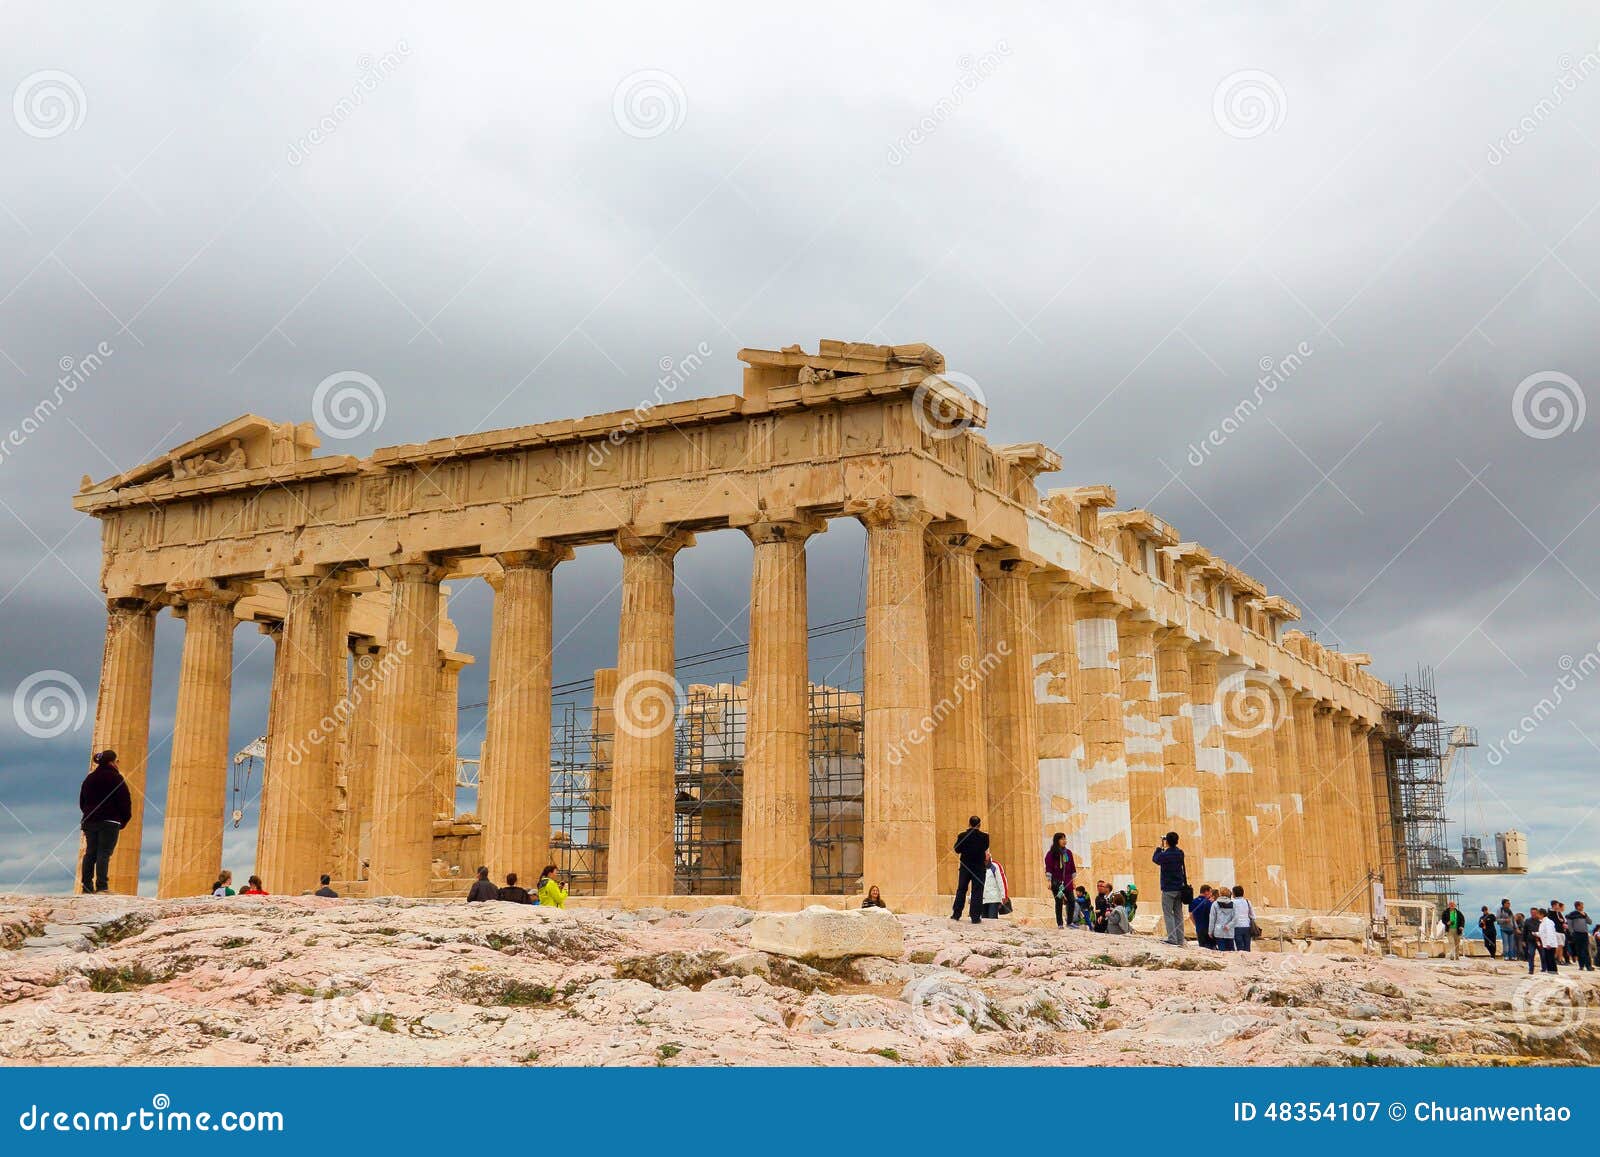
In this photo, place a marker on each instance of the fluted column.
(1058, 714)
(1291, 797)
(645, 710)
(297, 786)
(603, 724)
(1105, 765)
(955, 689)
(1210, 760)
(122, 719)
(1378, 769)
(1331, 820)
(514, 779)
(1311, 886)
(335, 831)
(1141, 741)
(1233, 721)
(1263, 748)
(1011, 749)
(401, 862)
(447, 735)
(370, 668)
(1355, 785)
(897, 806)
(775, 836)
(197, 779)
(1174, 698)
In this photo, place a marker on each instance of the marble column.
(514, 779)
(447, 737)
(1015, 822)
(332, 854)
(122, 719)
(401, 859)
(603, 727)
(1233, 723)
(1141, 741)
(1311, 883)
(645, 712)
(297, 787)
(775, 824)
(898, 842)
(1058, 715)
(1104, 764)
(1174, 697)
(370, 666)
(1210, 759)
(197, 779)
(955, 688)
(1263, 748)
(1355, 785)
(1378, 769)
(1291, 798)
(1332, 820)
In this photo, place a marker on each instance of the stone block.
(827, 934)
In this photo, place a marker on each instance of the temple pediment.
(248, 442)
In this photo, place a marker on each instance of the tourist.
(1224, 921)
(325, 890)
(253, 887)
(1455, 922)
(1557, 915)
(483, 888)
(874, 898)
(1060, 868)
(996, 896)
(224, 885)
(106, 806)
(1579, 930)
(972, 849)
(1130, 900)
(1549, 944)
(1102, 904)
(551, 893)
(1085, 908)
(1174, 883)
(1117, 922)
(1490, 929)
(1244, 921)
(512, 894)
(1528, 936)
(1200, 913)
(1506, 920)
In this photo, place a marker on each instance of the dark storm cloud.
(1060, 201)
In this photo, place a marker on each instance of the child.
(1084, 908)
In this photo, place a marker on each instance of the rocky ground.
(118, 980)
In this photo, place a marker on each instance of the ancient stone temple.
(1040, 659)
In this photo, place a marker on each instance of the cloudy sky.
(1110, 220)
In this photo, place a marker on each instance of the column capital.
(222, 593)
(132, 606)
(305, 577)
(795, 529)
(543, 556)
(414, 570)
(996, 561)
(1133, 624)
(894, 511)
(1178, 639)
(271, 628)
(660, 541)
(1098, 604)
(1055, 583)
(454, 660)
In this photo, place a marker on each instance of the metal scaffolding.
(1414, 742)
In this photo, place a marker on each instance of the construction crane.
(246, 758)
(1508, 855)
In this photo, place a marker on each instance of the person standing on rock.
(483, 889)
(1224, 921)
(1244, 920)
(972, 847)
(1060, 868)
(1200, 913)
(107, 806)
(1506, 920)
(1455, 922)
(551, 893)
(1549, 943)
(1174, 883)
(1490, 930)
(1579, 929)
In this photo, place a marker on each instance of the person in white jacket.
(1224, 921)
(1244, 918)
(995, 892)
(1549, 941)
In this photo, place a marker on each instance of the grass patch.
(1103, 1002)
(114, 931)
(125, 979)
(531, 1057)
(669, 1050)
(519, 994)
(1102, 958)
(886, 1054)
(1047, 1011)
(922, 957)
(234, 942)
(382, 1021)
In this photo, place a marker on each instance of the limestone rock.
(827, 934)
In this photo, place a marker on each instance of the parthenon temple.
(1040, 659)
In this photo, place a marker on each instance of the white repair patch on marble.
(1205, 717)
(1299, 803)
(1043, 677)
(1054, 544)
(1218, 868)
(1210, 759)
(1255, 824)
(1105, 769)
(1274, 872)
(1097, 643)
(1236, 763)
(1184, 803)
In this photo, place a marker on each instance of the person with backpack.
(106, 807)
(1224, 921)
(1244, 920)
(972, 850)
(1579, 929)
(1455, 922)
(1060, 868)
(1174, 883)
(1490, 929)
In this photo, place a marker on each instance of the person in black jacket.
(972, 847)
(483, 888)
(107, 807)
(511, 893)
